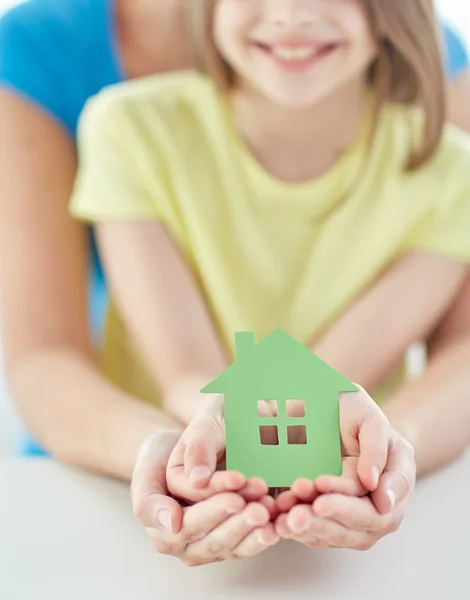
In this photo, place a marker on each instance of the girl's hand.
(196, 468)
(225, 526)
(357, 509)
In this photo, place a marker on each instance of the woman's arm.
(50, 365)
(434, 411)
(161, 302)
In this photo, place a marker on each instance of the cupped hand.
(370, 498)
(196, 467)
(224, 526)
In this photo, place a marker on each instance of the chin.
(295, 99)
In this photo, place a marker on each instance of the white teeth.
(294, 53)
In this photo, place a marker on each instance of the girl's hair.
(408, 69)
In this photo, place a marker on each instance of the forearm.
(79, 416)
(433, 413)
(165, 310)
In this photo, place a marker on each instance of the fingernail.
(233, 510)
(266, 542)
(301, 528)
(393, 497)
(199, 473)
(375, 476)
(163, 517)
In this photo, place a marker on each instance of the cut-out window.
(295, 408)
(267, 408)
(269, 435)
(296, 435)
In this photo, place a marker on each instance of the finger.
(299, 518)
(322, 533)
(270, 504)
(286, 501)
(256, 542)
(254, 489)
(374, 436)
(220, 541)
(296, 525)
(399, 477)
(152, 505)
(348, 483)
(305, 490)
(227, 480)
(201, 518)
(204, 440)
(281, 527)
(353, 513)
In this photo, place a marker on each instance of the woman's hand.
(369, 500)
(232, 520)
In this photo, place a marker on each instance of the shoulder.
(165, 105)
(444, 179)
(402, 126)
(43, 46)
(37, 18)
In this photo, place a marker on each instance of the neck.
(299, 144)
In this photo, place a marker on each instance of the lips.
(297, 53)
(294, 52)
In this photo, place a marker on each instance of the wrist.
(184, 398)
(403, 424)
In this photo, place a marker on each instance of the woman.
(54, 56)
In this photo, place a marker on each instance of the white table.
(65, 535)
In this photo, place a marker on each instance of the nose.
(291, 14)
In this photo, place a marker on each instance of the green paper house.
(282, 371)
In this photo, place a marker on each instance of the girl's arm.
(50, 362)
(434, 411)
(428, 298)
(161, 302)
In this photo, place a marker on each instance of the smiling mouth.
(295, 56)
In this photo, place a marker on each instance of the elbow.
(30, 382)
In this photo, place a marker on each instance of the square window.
(295, 408)
(267, 408)
(296, 435)
(269, 435)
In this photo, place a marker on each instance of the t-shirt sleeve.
(31, 64)
(445, 228)
(121, 173)
(455, 53)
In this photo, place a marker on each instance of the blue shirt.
(455, 53)
(57, 54)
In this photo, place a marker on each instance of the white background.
(458, 14)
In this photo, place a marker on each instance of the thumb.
(152, 505)
(374, 435)
(204, 442)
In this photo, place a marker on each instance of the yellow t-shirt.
(267, 253)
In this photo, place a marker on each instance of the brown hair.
(408, 69)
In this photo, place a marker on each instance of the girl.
(298, 186)
(53, 57)
(308, 183)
